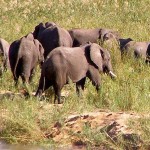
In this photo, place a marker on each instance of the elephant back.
(65, 38)
(53, 37)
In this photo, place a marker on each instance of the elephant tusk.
(112, 74)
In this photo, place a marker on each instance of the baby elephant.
(77, 63)
(136, 49)
(24, 55)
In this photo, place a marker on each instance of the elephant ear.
(40, 50)
(96, 55)
(108, 36)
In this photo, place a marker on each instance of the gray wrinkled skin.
(128, 46)
(82, 36)
(51, 36)
(24, 54)
(65, 63)
(4, 48)
(136, 49)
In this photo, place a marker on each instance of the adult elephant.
(24, 54)
(51, 36)
(4, 48)
(82, 36)
(77, 63)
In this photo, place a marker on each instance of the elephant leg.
(16, 72)
(16, 77)
(16, 81)
(44, 84)
(60, 81)
(57, 90)
(136, 54)
(31, 75)
(5, 64)
(41, 86)
(1, 71)
(25, 77)
(80, 84)
(28, 89)
(93, 75)
(147, 61)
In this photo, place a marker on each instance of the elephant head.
(108, 34)
(41, 27)
(38, 30)
(101, 58)
(110, 38)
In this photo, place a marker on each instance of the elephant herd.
(65, 55)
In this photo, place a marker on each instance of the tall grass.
(27, 120)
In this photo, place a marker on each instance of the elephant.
(4, 48)
(51, 36)
(76, 64)
(128, 46)
(136, 49)
(109, 38)
(148, 54)
(24, 54)
(82, 36)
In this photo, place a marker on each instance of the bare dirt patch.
(113, 124)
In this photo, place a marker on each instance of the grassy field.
(24, 120)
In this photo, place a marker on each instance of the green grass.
(26, 120)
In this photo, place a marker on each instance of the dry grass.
(129, 92)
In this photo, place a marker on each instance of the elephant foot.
(38, 93)
(28, 89)
(61, 102)
(25, 93)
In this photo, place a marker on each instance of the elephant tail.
(41, 87)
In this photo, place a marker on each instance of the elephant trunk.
(108, 69)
